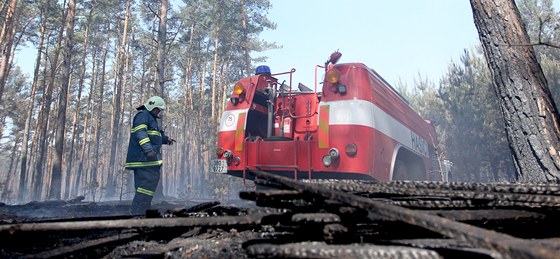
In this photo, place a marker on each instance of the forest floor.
(193, 243)
(327, 219)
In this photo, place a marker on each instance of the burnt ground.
(329, 219)
(196, 242)
(230, 236)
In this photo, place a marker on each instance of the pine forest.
(65, 128)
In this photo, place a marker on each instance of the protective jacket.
(145, 136)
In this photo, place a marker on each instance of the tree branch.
(152, 10)
(548, 44)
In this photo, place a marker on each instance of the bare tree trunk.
(531, 119)
(189, 71)
(116, 116)
(127, 183)
(202, 84)
(50, 155)
(152, 79)
(99, 118)
(28, 118)
(160, 67)
(82, 157)
(35, 148)
(188, 112)
(214, 72)
(162, 38)
(224, 65)
(123, 141)
(245, 38)
(70, 178)
(7, 191)
(131, 70)
(7, 42)
(225, 91)
(44, 119)
(56, 180)
(3, 7)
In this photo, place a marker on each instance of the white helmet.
(155, 102)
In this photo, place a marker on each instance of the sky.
(400, 40)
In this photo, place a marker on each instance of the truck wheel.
(399, 172)
(416, 173)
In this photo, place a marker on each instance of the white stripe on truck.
(364, 113)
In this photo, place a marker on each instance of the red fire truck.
(357, 127)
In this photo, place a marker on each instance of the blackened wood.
(252, 219)
(89, 244)
(478, 237)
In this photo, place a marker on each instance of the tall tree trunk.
(160, 68)
(531, 119)
(44, 118)
(245, 39)
(202, 84)
(162, 37)
(70, 178)
(7, 42)
(189, 71)
(82, 157)
(121, 171)
(99, 119)
(3, 9)
(35, 148)
(56, 180)
(7, 191)
(214, 73)
(128, 183)
(188, 112)
(225, 90)
(4, 5)
(28, 117)
(129, 104)
(117, 110)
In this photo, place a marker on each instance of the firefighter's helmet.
(155, 102)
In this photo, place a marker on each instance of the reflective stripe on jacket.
(145, 136)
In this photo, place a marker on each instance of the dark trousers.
(145, 183)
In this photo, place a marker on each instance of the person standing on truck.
(144, 153)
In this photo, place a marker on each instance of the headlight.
(332, 76)
(228, 154)
(331, 157)
(333, 152)
(327, 161)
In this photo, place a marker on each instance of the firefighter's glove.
(170, 141)
(151, 155)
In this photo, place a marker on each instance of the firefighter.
(144, 153)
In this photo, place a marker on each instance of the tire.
(408, 171)
(416, 172)
(400, 171)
